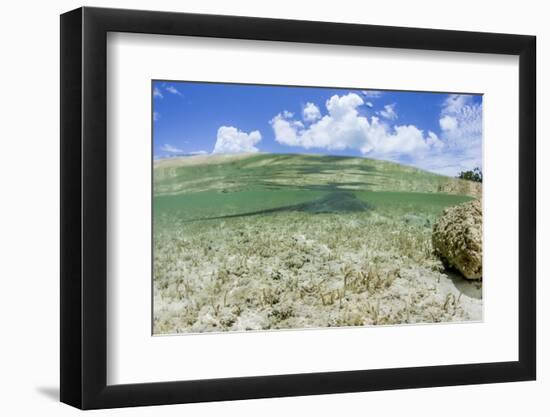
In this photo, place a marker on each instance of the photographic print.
(290, 207)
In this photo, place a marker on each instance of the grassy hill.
(216, 185)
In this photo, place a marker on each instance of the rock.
(457, 238)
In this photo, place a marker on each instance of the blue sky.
(438, 132)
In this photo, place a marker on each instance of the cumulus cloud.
(433, 141)
(285, 130)
(406, 139)
(369, 104)
(232, 140)
(389, 112)
(311, 112)
(448, 123)
(288, 114)
(170, 149)
(343, 127)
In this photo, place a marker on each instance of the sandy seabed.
(293, 270)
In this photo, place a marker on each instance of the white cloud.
(372, 93)
(198, 153)
(344, 128)
(288, 114)
(448, 123)
(455, 102)
(389, 112)
(173, 90)
(311, 112)
(170, 149)
(233, 140)
(406, 139)
(340, 107)
(369, 104)
(458, 146)
(285, 130)
(461, 126)
(157, 93)
(156, 116)
(433, 141)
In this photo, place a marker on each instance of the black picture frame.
(84, 207)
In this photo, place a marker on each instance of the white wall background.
(29, 210)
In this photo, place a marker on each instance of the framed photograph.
(256, 208)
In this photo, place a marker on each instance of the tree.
(475, 175)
